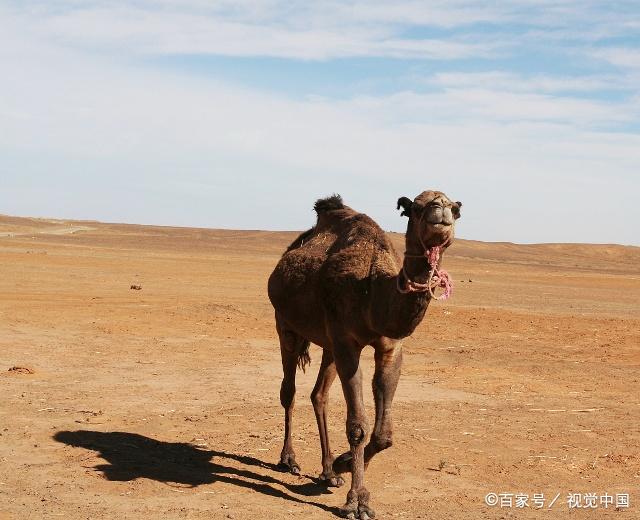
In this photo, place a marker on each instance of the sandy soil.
(163, 402)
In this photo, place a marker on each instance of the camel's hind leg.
(291, 346)
(319, 398)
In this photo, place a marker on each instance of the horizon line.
(175, 226)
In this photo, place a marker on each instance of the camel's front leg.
(388, 359)
(347, 359)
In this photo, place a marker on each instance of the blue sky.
(240, 114)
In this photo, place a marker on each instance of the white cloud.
(441, 13)
(620, 56)
(468, 104)
(137, 30)
(314, 30)
(511, 82)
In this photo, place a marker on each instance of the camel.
(342, 286)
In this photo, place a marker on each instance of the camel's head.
(432, 217)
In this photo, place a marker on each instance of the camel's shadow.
(131, 456)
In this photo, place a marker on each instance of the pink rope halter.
(438, 278)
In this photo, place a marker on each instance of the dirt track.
(163, 402)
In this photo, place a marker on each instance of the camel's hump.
(328, 204)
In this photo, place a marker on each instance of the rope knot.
(438, 278)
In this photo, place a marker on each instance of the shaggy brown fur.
(337, 286)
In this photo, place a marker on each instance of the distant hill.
(612, 257)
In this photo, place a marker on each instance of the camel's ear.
(406, 204)
(455, 209)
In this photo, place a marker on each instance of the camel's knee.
(318, 400)
(287, 392)
(356, 433)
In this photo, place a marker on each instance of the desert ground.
(163, 402)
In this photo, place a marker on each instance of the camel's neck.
(403, 311)
(415, 264)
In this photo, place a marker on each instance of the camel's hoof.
(342, 464)
(366, 512)
(331, 480)
(294, 469)
(361, 513)
(288, 464)
(357, 506)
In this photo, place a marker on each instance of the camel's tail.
(303, 356)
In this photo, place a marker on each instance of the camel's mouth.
(439, 235)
